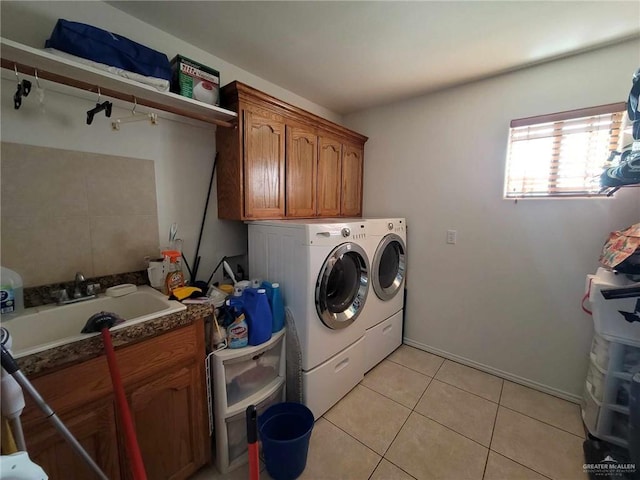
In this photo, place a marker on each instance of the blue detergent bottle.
(277, 306)
(259, 318)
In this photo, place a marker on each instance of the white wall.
(507, 296)
(183, 152)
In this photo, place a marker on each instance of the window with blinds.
(562, 154)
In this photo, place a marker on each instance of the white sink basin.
(42, 328)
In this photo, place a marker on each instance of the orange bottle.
(175, 277)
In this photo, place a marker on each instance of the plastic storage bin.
(607, 318)
(249, 373)
(607, 396)
(238, 378)
(236, 432)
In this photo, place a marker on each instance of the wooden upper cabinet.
(284, 162)
(301, 173)
(329, 177)
(264, 162)
(352, 170)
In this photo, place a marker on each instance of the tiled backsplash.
(66, 211)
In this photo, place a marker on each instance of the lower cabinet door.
(93, 426)
(171, 425)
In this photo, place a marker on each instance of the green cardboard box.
(194, 80)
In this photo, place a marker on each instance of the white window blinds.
(562, 154)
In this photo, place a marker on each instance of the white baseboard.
(494, 371)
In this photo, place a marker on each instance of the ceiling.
(347, 56)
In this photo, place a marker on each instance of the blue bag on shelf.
(109, 48)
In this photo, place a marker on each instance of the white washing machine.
(383, 315)
(323, 269)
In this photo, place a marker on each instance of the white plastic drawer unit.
(248, 370)
(231, 440)
(605, 405)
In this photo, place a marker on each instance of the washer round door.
(342, 286)
(389, 267)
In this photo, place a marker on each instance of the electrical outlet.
(452, 237)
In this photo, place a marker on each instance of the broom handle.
(137, 466)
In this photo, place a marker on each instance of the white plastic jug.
(11, 294)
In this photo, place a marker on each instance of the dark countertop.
(40, 363)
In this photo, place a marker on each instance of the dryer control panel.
(335, 233)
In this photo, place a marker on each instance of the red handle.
(137, 466)
(254, 462)
(252, 441)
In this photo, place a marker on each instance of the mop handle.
(137, 466)
(252, 440)
(10, 365)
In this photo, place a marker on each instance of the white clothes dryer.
(383, 315)
(323, 271)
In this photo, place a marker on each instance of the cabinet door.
(302, 160)
(352, 164)
(264, 163)
(93, 426)
(171, 425)
(329, 177)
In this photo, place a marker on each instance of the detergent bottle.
(259, 319)
(277, 306)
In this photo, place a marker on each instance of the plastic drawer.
(327, 383)
(613, 426)
(248, 374)
(382, 340)
(590, 410)
(618, 392)
(595, 382)
(630, 359)
(236, 432)
(600, 351)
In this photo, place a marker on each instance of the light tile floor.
(417, 415)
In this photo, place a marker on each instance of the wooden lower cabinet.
(94, 426)
(164, 412)
(164, 381)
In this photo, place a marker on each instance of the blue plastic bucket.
(285, 430)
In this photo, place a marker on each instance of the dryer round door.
(389, 267)
(342, 286)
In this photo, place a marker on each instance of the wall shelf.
(28, 60)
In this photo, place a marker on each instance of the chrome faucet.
(90, 291)
(77, 293)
